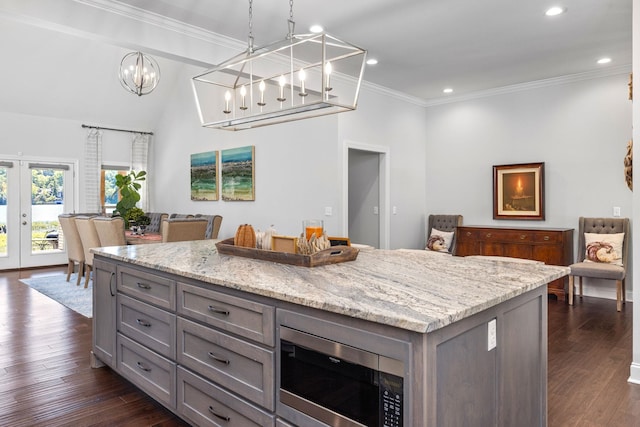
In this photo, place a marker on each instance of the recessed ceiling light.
(372, 61)
(604, 60)
(447, 90)
(555, 11)
(316, 28)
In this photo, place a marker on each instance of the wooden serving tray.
(333, 255)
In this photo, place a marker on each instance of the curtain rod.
(118, 130)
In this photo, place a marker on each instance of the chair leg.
(580, 282)
(570, 290)
(80, 272)
(624, 291)
(619, 295)
(87, 275)
(70, 269)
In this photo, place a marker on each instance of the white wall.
(579, 129)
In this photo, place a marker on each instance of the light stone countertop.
(416, 290)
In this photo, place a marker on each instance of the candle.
(282, 82)
(227, 98)
(303, 77)
(262, 87)
(243, 93)
(328, 69)
(311, 227)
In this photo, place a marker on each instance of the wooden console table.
(552, 246)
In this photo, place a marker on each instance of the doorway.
(366, 194)
(33, 192)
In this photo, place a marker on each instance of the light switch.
(492, 336)
(616, 211)
(328, 211)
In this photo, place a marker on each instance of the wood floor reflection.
(45, 378)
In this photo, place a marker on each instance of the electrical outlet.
(492, 335)
(375, 210)
(328, 211)
(616, 211)
(395, 210)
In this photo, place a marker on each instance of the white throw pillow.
(439, 240)
(605, 248)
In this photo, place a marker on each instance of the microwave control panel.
(390, 400)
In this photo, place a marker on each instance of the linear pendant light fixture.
(302, 76)
(139, 73)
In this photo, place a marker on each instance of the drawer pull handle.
(218, 310)
(144, 368)
(143, 323)
(143, 285)
(222, 417)
(523, 236)
(468, 233)
(547, 237)
(218, 358)
(488, 234)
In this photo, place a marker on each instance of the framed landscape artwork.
(518, 191)
(204, 176)
(238, 174)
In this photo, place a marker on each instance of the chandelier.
(139, 73)
(302, 76)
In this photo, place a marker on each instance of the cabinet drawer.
(245, 318)
(235, 364)
(148, 325)
(512, 236)
(206, 404)
(547, 237)
(151, 372)
(147, 287)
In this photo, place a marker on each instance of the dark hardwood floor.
(45, 378)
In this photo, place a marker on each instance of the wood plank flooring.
(45, 378)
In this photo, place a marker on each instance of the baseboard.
(634, 376)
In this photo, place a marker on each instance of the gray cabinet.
(104, 313)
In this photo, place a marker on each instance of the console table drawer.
(242, 367)
(206, 404)
(148, 325)
(151, 372)
(147, 287)
(248, 319)
(547, 238)
(506, 236)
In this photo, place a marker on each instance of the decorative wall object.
(238, 173)
(628, 165)
(204, 176)
(518, 191)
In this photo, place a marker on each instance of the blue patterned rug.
(56, 287)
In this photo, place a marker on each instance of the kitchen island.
(470, 335)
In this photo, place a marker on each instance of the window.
(108, 191)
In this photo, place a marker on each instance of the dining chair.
(110, 231)
(90, 239)
(183, 229)
(180, 216)
(72, 244)
(445, 226)
(213, 225)
(156, 221)
(603, 248)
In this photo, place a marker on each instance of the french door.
(32, 195)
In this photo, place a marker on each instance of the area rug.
(56, 287)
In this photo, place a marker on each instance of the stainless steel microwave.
(337, 384)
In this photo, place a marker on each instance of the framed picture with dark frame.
(518, 191)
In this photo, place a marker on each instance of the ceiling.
(424, 46)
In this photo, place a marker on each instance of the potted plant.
(128, 187)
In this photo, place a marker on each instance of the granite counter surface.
(416, 290)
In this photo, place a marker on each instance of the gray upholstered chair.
(183, 229)
(213, 225)
(448, 223)
(601, 270)
(72, 244)
(110, 231)
(90, 239)
(156, 221)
